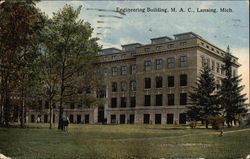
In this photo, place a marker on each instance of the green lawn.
(123, 142)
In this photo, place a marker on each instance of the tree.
(231, 98)
(75, 53)
(19, 21)
(203, 100)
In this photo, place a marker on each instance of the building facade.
(148, 84)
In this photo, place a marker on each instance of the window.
(133, 69)
(171, 62)
(86, 118)
(54, 105)
(147, 100)
(158, 48)
(157, 118)
(218, 68)
(147, 83)
(183, 80)
(114, 71)
(208, 62)
(171, 46)
(123, 102)
(45, 118)
(183, 43)
(159, 64)
(114, 57)
(122, 118)
(182, 119)
(131, 119)
(40, 103)
(170, 81)
(101, 92)
(170, 118)
(72, 105)
(146, 118)
(222, 69)
(133, 85)
(158, 100)
(183, 61)
(105, 71)
(46, 105)
(124, 70)
(213, 65)
(147, 49)
(158, 82)
(79, 105)
(170, 99)
(113, 119)
(148, 65)
(132, 101)
(114, 87)
(113, 102)
(183, 99)
(203, 62)
(123, 86)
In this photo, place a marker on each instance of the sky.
(220, 28)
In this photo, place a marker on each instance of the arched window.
(133, 85)
(158, 82)
(114, 87)
(123, 86)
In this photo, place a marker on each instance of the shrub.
(216, 121)
(193, 124)
(238, 118)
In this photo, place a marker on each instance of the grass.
(123, 142)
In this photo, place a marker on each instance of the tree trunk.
(60, 123)
(22, 111)
(228, 124)
(50, 114)
(1, 110)
(6, 109)
(206, 124)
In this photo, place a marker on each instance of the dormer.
(160, 40)
(129, 47)
(110, 51)
(186, 36)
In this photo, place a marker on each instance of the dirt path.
(167, 137)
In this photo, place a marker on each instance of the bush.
(193, 124)
(216, 121)
(238, 118)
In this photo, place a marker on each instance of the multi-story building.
(149, 83)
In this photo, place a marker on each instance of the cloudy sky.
(220, 28)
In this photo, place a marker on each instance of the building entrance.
(101, 115)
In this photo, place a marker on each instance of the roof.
(111, 48)
(161, 38)
(188, 33)
(132, 44)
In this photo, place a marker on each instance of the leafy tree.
(75, 53)
(47, 69)
(203, 100)
(231, 98)
(19, 21)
